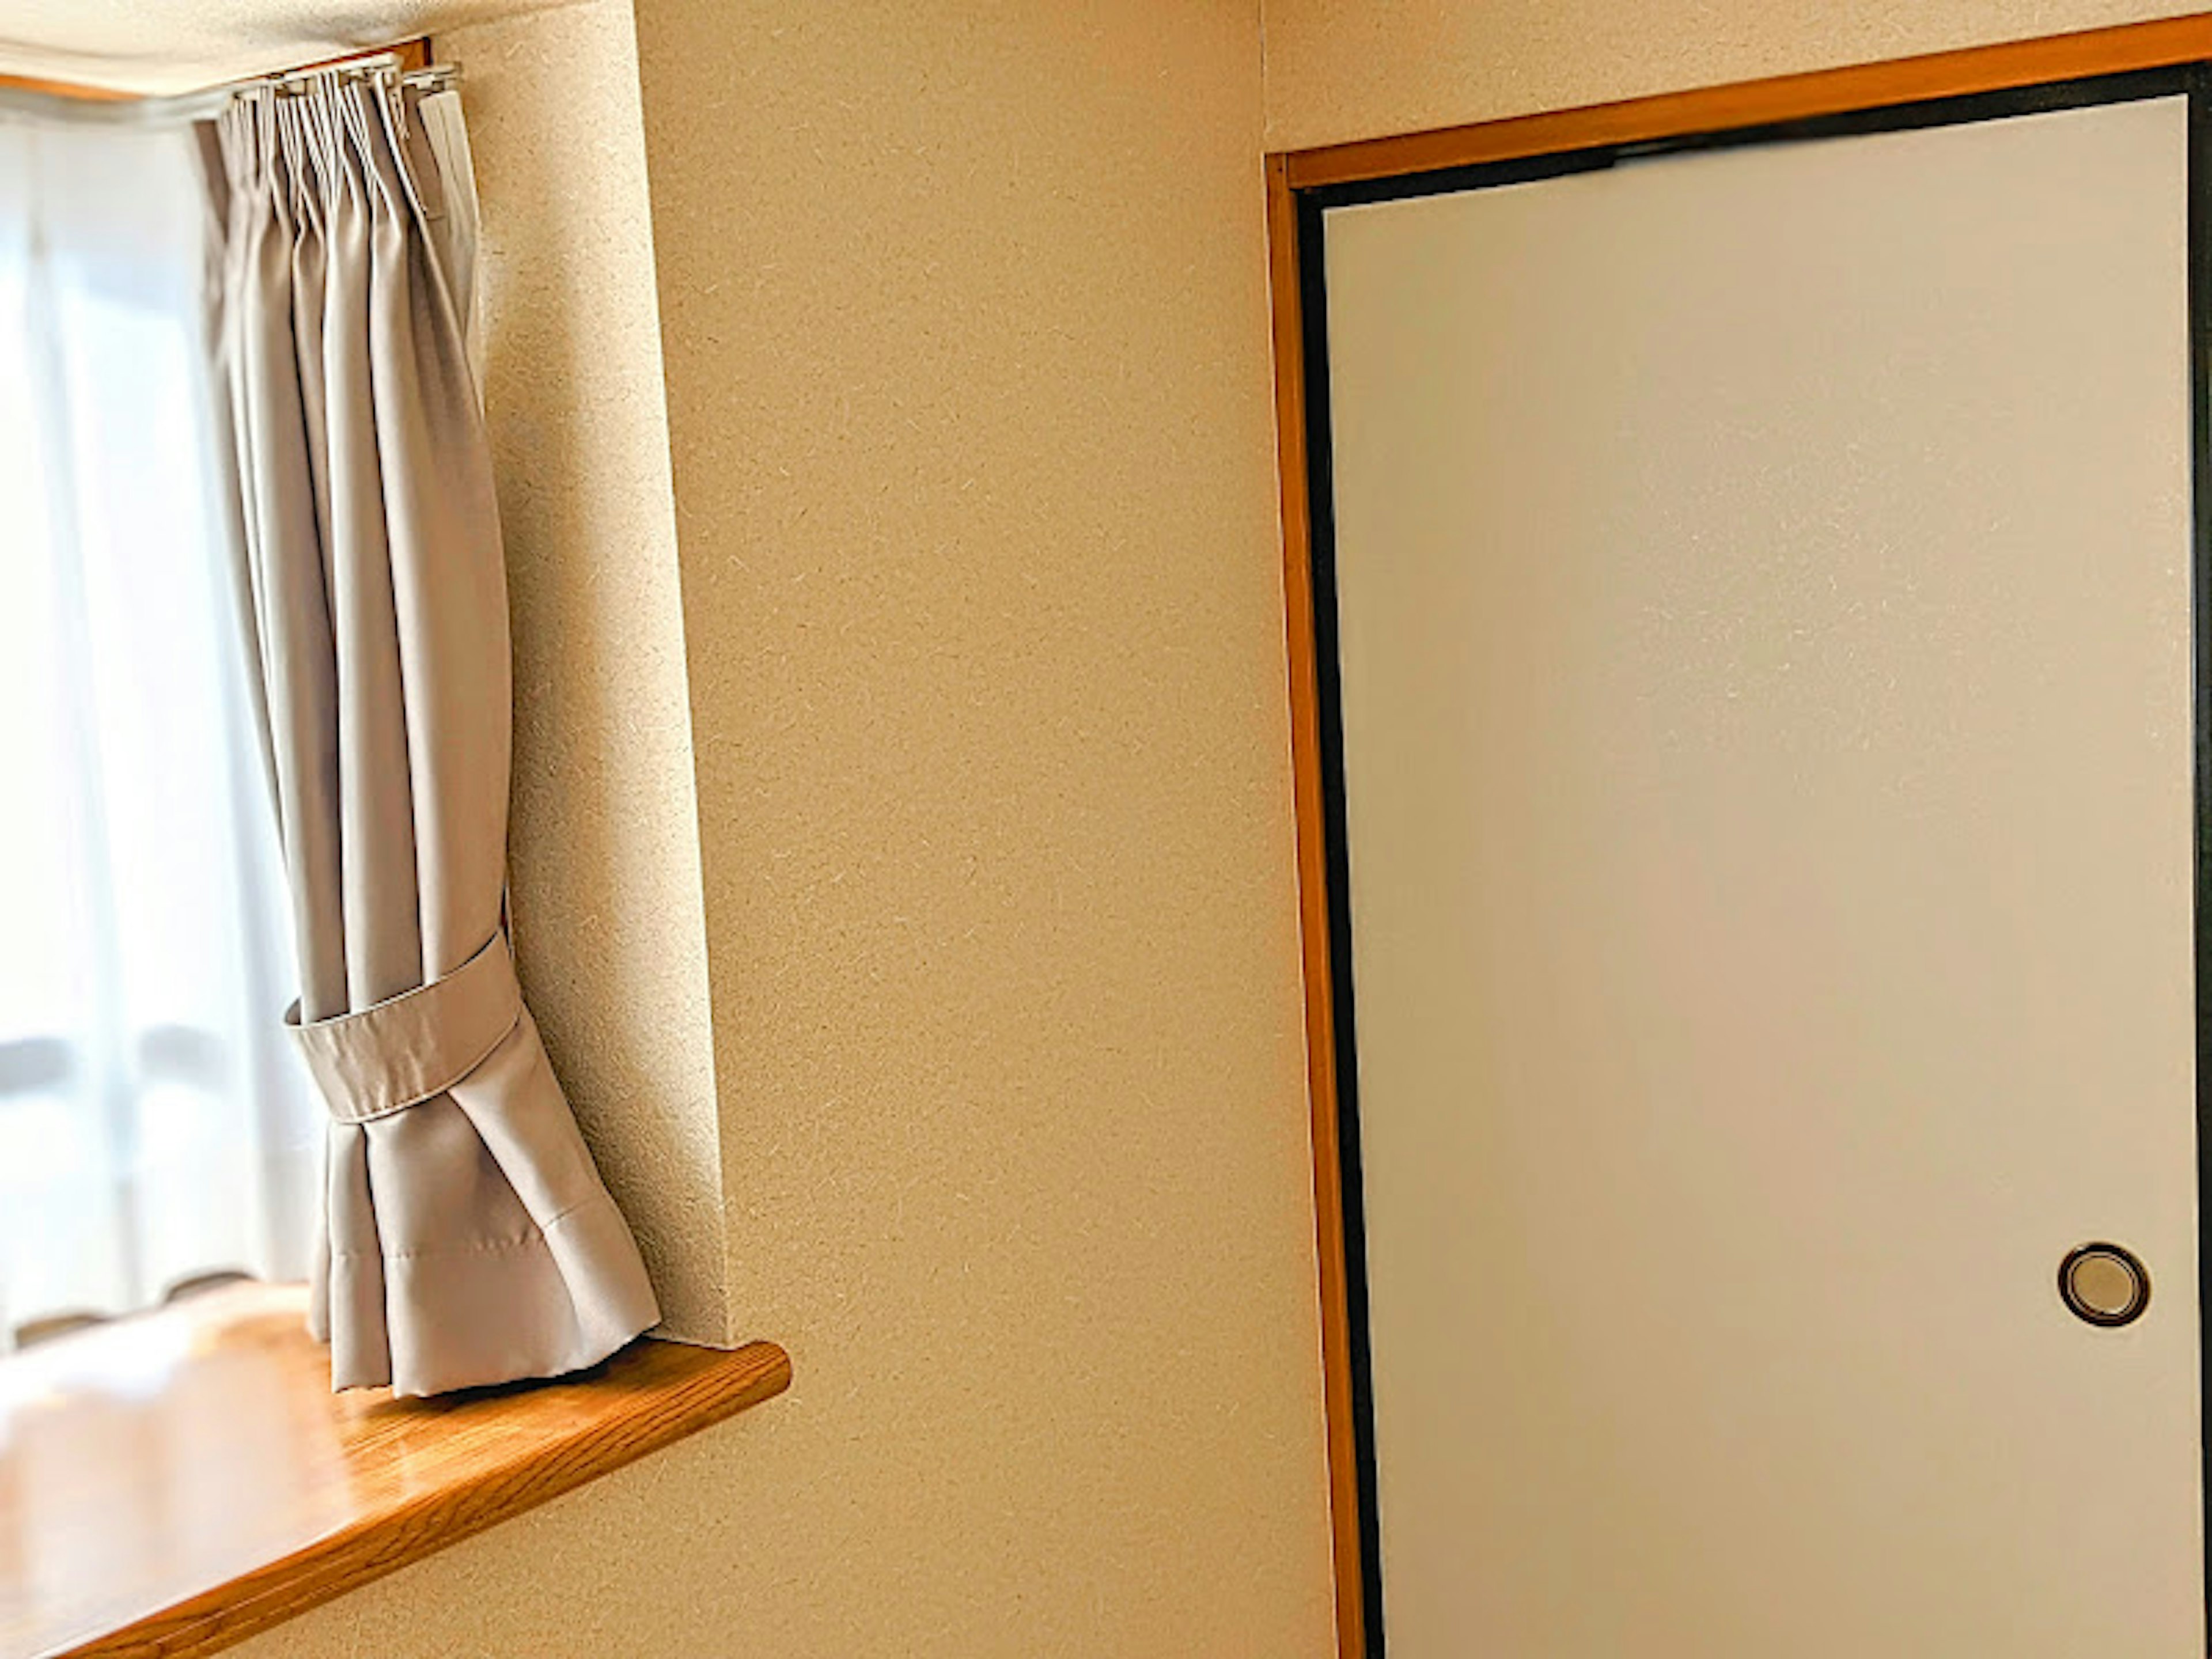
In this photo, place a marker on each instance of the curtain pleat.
(469, 1239)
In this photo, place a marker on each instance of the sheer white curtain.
(154, 1124)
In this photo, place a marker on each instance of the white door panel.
(1763, 584)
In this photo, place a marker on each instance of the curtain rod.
(434, 76)
(207, 101)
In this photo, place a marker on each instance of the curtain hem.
(559, 1308)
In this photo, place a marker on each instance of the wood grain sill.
(175, 1483)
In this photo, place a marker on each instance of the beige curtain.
(468, 1238)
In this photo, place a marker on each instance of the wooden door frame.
(1293, 242)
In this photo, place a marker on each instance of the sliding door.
(1762, 593)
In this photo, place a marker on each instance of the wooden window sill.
(174, 1483)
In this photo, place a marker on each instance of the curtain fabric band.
(416, 1046)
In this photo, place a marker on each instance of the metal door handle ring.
(2104, 1285)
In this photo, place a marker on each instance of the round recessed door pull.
(2103, 1283)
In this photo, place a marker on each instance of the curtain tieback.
(413, 1046)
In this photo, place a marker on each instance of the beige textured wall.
(1358, 69)
(963, 312)
(610, 929)
(969, 395)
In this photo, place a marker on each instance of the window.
(154, 1124)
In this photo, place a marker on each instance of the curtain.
(154, 1127)
(468, 1237)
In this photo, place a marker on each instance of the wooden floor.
(173, 1483)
